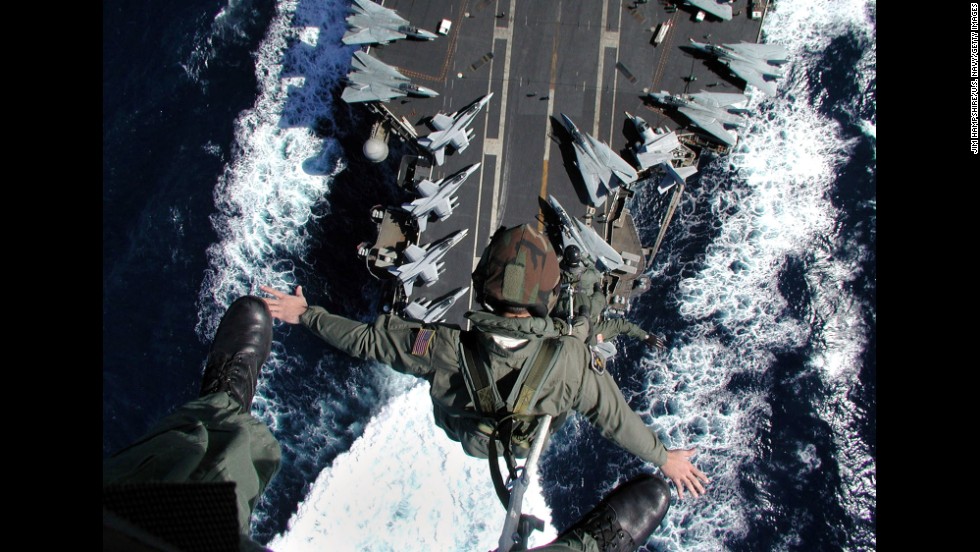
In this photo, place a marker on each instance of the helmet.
(572, 257)
(518, 269)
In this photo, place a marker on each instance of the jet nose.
(428, 92)
(424, 34)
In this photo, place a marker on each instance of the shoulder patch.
(423, 340)
(598, 364)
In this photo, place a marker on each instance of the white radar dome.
(375, 150)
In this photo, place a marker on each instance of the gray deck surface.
(548, 57)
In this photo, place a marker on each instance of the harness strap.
(483, 391)
(479, 381)
(529, 382)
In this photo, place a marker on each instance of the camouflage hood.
(518, 269)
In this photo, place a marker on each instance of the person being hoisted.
(512, 361)
(581, 293)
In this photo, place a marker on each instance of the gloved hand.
(654, 340)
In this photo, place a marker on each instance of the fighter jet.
(372, 81)
(656, 146)
(712, 111)
(427, 311)
(602, 170)
(437, 197)
(452, 130)
(423, 262)
(753, 63)
(373, 24)
(575, 232)
(721, 11)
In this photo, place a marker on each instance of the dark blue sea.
(228, 163)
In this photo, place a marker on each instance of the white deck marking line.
(493, 146)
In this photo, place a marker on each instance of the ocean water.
(224, 167)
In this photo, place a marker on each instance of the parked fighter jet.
(602, 170)
(656, 147)
(712, 111)
(753, 63)
(722, 11)
(575, 232)
(452, 130)
(373, 24)
(372, 81)
(437, 197)
(423, 262)
(427, 311)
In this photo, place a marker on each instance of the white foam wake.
(266, 197)
(772, 203)
(404, 486)
(278, 175)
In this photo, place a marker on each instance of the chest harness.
(511, 422)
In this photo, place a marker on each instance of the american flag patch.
(422, 342)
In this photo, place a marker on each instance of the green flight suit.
(579, 286)
(608, 328)
(431, 351)
(207, 440)
(613, 327)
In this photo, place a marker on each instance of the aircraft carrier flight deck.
(590, 60)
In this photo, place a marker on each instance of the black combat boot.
(627, 516)
(241, 345)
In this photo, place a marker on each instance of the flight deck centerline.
(508, 36)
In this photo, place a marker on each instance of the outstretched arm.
(391, 340)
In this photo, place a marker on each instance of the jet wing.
(413, 254)
(459, 141)
(378, 11)
(441, 121)
(657, 150)
(371, 35)
(595, 176)
(606, 156)
(721, 11)
(440, 156)
(368, 15)
(751, 74)
(720, 99)
(408, 285)
(416, 310)
(651, 158)
(370, 93)
(427, 188)
(771, 53)
(443, 209)
(456, 138)
(373, 66)
(429, 273)
(710, 124)
(597, 247)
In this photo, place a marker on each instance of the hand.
(287, 308)
(679, 469)
(654, 340)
